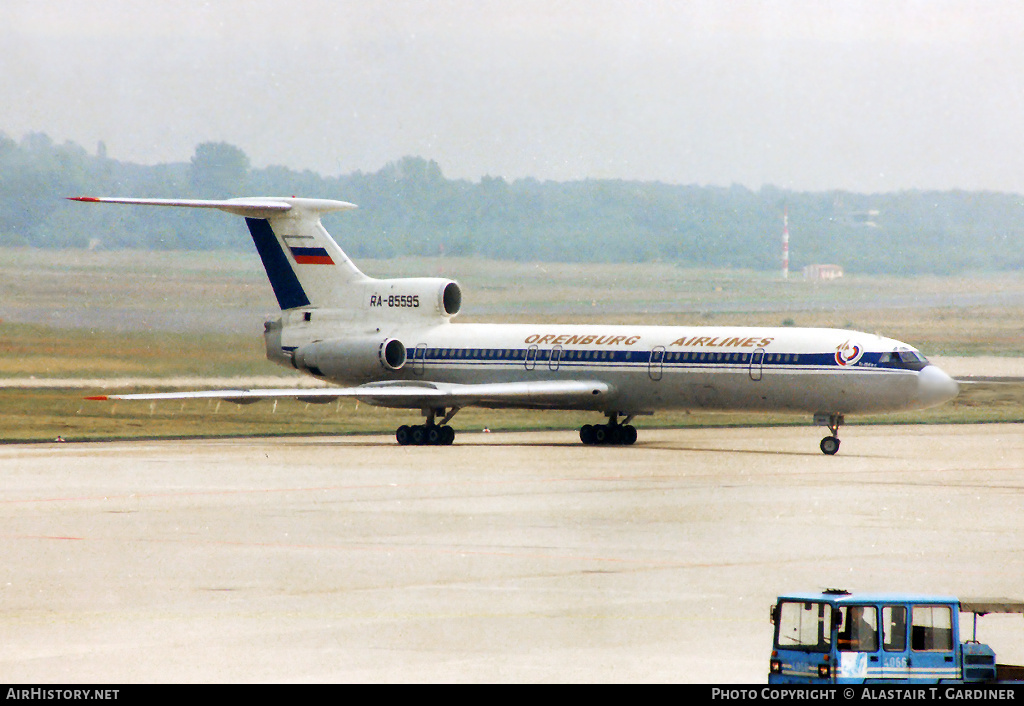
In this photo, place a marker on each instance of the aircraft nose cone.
(934, 386)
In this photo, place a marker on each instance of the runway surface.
(507, 557)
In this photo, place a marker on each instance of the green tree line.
(410, 208)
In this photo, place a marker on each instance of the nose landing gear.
(830, 444)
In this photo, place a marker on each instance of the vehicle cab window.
(858, 628)
(932, 628)
(894, 628)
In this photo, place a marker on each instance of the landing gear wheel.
(830, 445)
(430, 434)
(447, 435)
(608, 434)
(425, 435)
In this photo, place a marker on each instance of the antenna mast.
(785, 243)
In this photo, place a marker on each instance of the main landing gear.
(431, 433)
(610, 434)
(830, 444)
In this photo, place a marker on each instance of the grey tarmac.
(508, 557)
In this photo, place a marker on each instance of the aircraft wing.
(549, 394)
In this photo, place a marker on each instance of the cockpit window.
(908, 360)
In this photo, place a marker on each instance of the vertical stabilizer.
(304, 264)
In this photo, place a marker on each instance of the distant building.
(822, 273)
(864, 218)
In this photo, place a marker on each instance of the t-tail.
(319, 289)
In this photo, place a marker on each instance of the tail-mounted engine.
(414, 297)
(350, 360)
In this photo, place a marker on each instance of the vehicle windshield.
(803, 625)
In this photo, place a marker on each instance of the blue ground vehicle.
(836, 636)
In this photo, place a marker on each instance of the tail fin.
(304, 264)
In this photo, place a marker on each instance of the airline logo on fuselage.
(848, 354)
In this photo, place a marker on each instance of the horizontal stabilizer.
(251, 207)
(304, 264)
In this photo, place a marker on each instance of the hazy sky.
(805, 94)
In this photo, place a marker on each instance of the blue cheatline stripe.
(282, 277)
(573, 358)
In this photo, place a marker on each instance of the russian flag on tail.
(311, 256)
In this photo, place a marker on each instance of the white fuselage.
(649, 368)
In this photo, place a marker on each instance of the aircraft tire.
(830, 445)
(608, 434)
(403, 435)
(434, 436)
(447, 435)
(419, 435)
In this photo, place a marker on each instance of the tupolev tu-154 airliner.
(392, 342)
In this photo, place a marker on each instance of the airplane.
(392, 343)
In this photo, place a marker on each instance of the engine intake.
(451, 299)
(392, 354)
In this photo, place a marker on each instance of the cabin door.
(531, 358)
(556, 358)
(757, 364)
(419, 357)
(654, 367)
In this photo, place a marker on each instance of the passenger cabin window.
(894, 628)
(931, 629)
(804, 625)
(858, 628)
